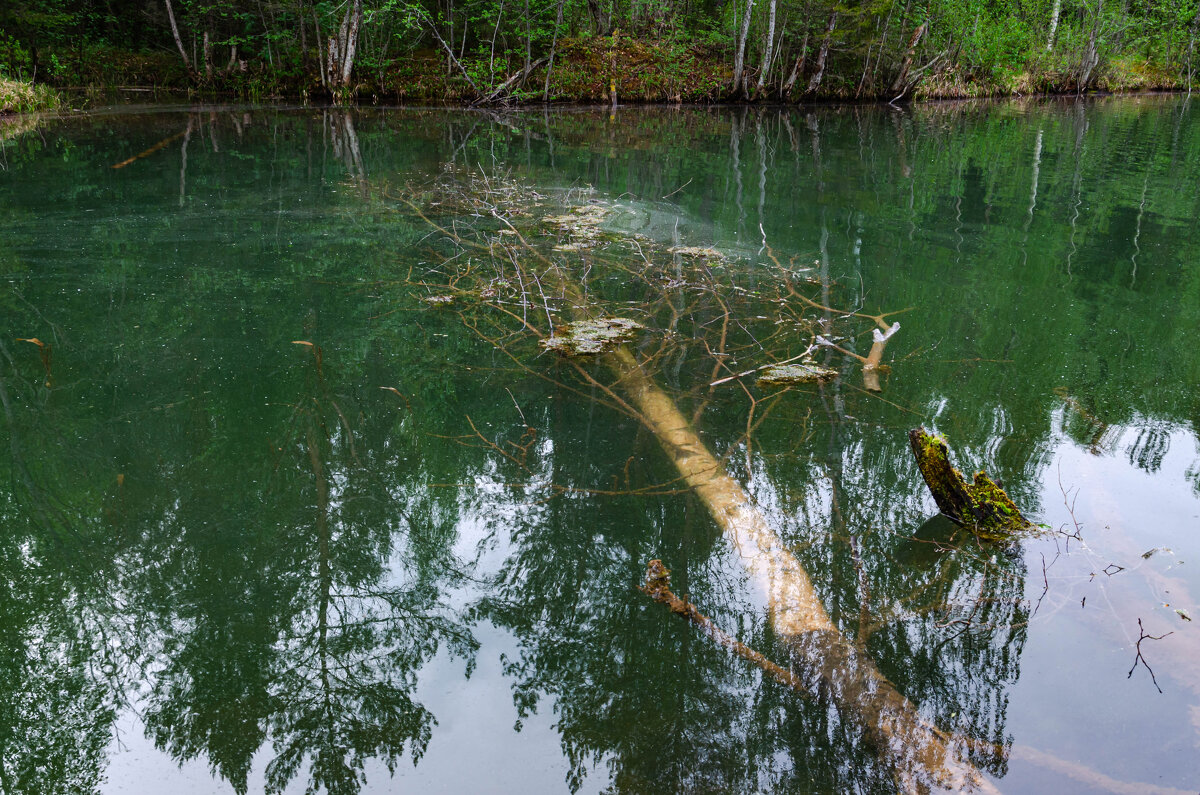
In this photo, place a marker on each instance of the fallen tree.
(921, 756)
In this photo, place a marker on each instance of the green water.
(233, 562)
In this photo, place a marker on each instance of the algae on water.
(798, 373)
(589, 337)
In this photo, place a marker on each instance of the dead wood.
(922, 756)
(981, 505)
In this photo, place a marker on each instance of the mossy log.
(981, 505)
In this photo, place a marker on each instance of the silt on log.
(981, 505)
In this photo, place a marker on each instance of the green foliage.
(968, 47)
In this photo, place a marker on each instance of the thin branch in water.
(1141, 659)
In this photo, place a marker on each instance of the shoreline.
(587, 71)
(184, 97)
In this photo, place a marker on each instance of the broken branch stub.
(981, 505)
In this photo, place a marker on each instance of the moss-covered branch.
(980, 504)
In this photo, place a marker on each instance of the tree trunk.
(528, 38)
(320, 53)
(815, 82)
(901, 82)
(1091, 56)
(922, 755)
(206, 51)
(354, 17)
(797, 70)
(601, 17)
(331, 80)
(175, 32)
(769, 49)
(514, 82)
(553, 44)
(1055, 13)
(739, 51)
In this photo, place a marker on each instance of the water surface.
(272, 519)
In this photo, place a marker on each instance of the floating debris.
(1183, 615)
(580, 245)
(799, 373)
(698, 252)
(589, 337)
(585, 218)
(1151, 552)
(438, 300)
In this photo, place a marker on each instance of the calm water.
(271, 519)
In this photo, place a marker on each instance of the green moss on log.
(981, 504)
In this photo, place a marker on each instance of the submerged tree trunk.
(922, 755)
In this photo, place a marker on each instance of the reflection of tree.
(314, 638)
(55, 718)
(645, 697)
(56, 709)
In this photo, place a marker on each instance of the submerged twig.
(1139, 658)
(658, 588)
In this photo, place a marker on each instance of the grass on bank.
(19, 97)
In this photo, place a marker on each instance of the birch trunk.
(739, 51)
(1055, 13)
(1091, 56)
(769, 49)
(815, 82)
(175, 32)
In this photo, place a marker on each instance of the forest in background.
(579, 50)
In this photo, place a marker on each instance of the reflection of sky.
(473, 749)
(1075, 698)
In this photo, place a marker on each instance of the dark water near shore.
(271, 519)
